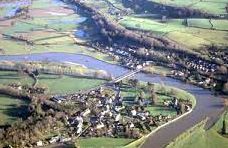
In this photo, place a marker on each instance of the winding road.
(207, 104)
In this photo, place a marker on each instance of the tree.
(141, 94)
(150, 86)
(141, 52)
(222, 69)
(223, 131)
(226, 7)
(224, 126)
(164, 19)
(2, 51)
(133, 82)
(225, 88)
(153, 93)
(153, 98)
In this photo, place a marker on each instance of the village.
(194, 70)
(123, 107)
(111, 73)
(104, 112)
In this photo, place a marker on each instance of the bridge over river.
(207, 105)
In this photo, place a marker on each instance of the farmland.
(204, 138)
(11, 109)
(56, 84)
(213, 6)
(49, 31)
(112, 73)
(196, 35)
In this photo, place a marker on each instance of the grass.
(18, 48)
(157, 110)
(55, 84)
(200, 137)
(44, 4)
(9, 107)
(163, 93)
(67, 84)
(39, 29)
(195, 36)
(104, 142)
(158, 70)
(212, 6)
(7, 77)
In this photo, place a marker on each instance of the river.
(207, 104)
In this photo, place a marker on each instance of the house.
(58, 99)
(39, 143)
(62, 139)
(54, 139)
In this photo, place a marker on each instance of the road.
(207, 105)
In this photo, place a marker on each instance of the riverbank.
(141, 49)
(71, 103)
(67, 68)
(206, 103)
(199, 136)
(49, 30)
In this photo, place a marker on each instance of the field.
(212, 6)
(193, 33)
(55, 84)
(104, 142)
(203, 138)
(163, 93)
(197, 34)
(10, 108)
(50, 30)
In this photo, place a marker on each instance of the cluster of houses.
(180, 106)
(104, 112)
(219, 55)
(200, 65)
(205, 82)
(127, 57)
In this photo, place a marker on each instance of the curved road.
(207, 104)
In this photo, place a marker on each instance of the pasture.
(212, 6)
(55, 84)
(200, 137)
(197, 34)
(10, 109)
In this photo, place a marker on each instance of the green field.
(203, 138)
(50, 30)
(41, 4)
(104, 142)
(163, 93)
(55, 84)
(195, 36)
(9, 108)
(193, 33)
(212, 6)
(67, 84)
